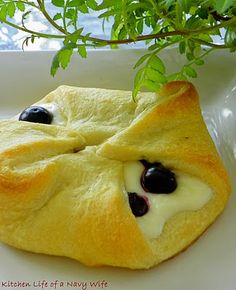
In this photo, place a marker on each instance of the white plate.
(209, 264)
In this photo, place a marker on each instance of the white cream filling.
(191, 194)
(54, 110)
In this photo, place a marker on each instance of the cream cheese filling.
(191, 194)
(54, 110)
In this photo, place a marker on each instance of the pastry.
(92, 175)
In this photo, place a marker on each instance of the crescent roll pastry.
(92, 175)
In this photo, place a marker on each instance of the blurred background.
(12, 39)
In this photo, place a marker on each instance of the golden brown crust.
(58, 202)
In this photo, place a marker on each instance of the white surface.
(209, 264)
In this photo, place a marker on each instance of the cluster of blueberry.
(156, 179)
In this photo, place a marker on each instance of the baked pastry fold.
(62, 188)
(96, 113)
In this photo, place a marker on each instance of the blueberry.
(158, 179)
(36, 114)
(138, 204)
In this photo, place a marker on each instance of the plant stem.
(162, 34)
(39, 34)
(210, 44)
(64, 15)
(49, 19)
(199, 57)
(139, 38)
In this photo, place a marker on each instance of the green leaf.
(20, 6)
(92, 4)
(55, 65)
(182, 47)
(154, 20)
(11, 9)
(199, 61)
(155, 76)
(156, 29)
(140, 26)
(135, 92)
(185, 5)
(141, 60)
(32, 38)
(222, 5)
(75, 3)
(71, 13)
(64, 56)
(205, 37)
(82, 51)
(139, 77)
(190, 71)
(3, 13)
(234, 11)
(86, 37)
(190, 47)
(202, 12)
(79, 31)
(151, 85)
(57, 16)
(58, 3)
(156, 63)
(122, 34)
(190, 56)
(83, 8)
(230, 37)
(193, 23)
(147, 21)
(168, 3)
(138, 82)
